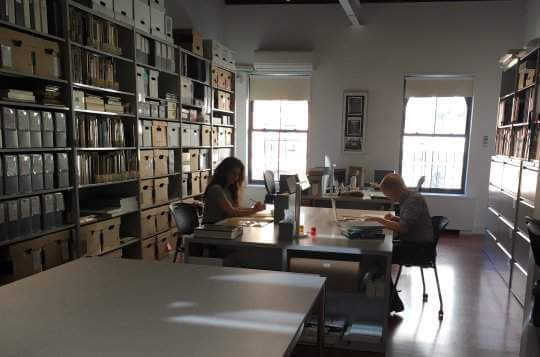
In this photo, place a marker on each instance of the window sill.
(445, 195)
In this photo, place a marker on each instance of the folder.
(23, 128)
(35, 213)
(35, 128)
(25, 174)
(25, 222)
(59, 208)
(60, 138)
(48, 171)
(9, 128)
(12, 218)
(26, 9)
(62, 170)
(11, 175)
(19, 12)
(37, 172)
(49, 211)
(47, 130)
(35, 14)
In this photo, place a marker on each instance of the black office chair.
(533, 226)
(421, 181)
(186, 218)
(427, 259)
(270, 184)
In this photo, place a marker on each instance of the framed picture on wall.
(354, 121)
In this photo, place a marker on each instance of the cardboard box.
(215, 136)
(163, 245)
(146, 129)
(162, 218)
(23, 259)
(161, 190)
(221, 136)
(229, 136)
(195, 135)
(215, 76)
(148, 220)
(56, 249)
(123, 11)
(173, 134)
(194, 159)
(204, 159)
(142, 16)
(173, 168)
(48, 60)
(147, 163)
(186, 135)
(195, 183)
(212, 50)
(186, 90)
(204, 180)
(161, 162)
(110, 234)
(159, 134)
(149, 249)
(153, 84)
(90, 237)
(206, 135)
(190, 40)
(157, 22)
(147, 192)
(185, 186)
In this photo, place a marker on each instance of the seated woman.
(221, 198)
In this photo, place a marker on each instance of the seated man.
(413, 225)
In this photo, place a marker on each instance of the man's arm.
(389, 224)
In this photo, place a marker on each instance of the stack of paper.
(362, 230)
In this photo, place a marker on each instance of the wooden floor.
(481, 318)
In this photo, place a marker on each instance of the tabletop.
(328, 237)
(118, 307)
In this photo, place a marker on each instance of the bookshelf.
(97, 90)
(514, 174)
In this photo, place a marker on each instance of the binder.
(23, 128)
(60, 138)
(11, 175)
(25, 221)
(1, 177)
(48, 171)
(3, 223)
(26, 9)
(11, 10)
(35, 128)
(37, 172)
(62, 170)
(25, 174)
(12, 218)
(49, 211)
(35, 12)
(4, 11)
(9, 128)
(59, 208)
(47, 131)
(44, 17)
(35, 213)
(19, 12)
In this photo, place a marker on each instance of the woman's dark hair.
(220, 177)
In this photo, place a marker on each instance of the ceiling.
(292, 2)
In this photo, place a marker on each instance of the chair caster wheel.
(441, 315)
(424, 298)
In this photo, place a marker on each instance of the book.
(218, 231)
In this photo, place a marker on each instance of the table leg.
(322, 319)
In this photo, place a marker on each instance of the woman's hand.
(259, 206)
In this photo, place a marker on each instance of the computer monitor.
(330, 179)
(380, 174)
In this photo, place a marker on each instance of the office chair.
(533, 226)
(428, 260)
(186, 218)
(378, 175)
(421, 181)
(270, 184)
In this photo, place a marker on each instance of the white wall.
(205, 16)
(399, 39)
(532, 29)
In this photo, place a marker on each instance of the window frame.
(251, 130)
(460, 191)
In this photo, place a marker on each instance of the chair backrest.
(185, 216)
(269, 182)
(439, 224)
(421, 181)
(378, 175)
(533, 226)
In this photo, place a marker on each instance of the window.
(435, 142)
(278, 137)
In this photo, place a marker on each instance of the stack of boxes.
(101, 237)
(527, 74)
(20, 52)
(219, 54)
(157, 233)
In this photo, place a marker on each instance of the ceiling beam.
(352, 10)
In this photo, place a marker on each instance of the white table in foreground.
(115, 307)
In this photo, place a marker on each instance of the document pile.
(362, 230)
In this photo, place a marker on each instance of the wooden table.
(115, 307)
(263, 243)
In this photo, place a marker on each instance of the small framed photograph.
(355, 105)
(353, 143)
(354, 127)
